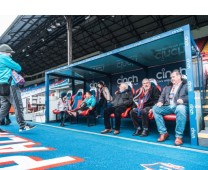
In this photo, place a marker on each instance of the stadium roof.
(40, 41)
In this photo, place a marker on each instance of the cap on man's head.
(6, 49)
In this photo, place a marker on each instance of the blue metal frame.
(189, 70)
(47, 97)
(190, 80)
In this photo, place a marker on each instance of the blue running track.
(102, 152)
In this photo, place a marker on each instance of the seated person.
(174, 99)
(62, 107)
(104, 97)
(88, 103)
(121, 101)
(147, 97)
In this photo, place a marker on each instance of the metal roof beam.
(196, 21)
(38, 30)
(159, 22)
(22, 27)
(133, 28)
(24, 32)
(79, 45)
(91, 36)
(109, 31)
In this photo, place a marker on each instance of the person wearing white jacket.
(63, 107)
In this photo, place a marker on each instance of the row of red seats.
(75, 101)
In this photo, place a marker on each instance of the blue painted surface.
(101, 152)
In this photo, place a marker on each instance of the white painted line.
(127, 139)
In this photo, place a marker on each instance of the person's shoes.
(178, 141)
(2, 122)
(8, 121)
(163, 137)
(137, 132)
(106, 131)
(116, 132)
(62, 125)
(144, 133)
(2, 131)
(98, 116)
(27, 127)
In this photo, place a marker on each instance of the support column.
(73, 86)
(190, 80)
(69, 37)
(47, 107)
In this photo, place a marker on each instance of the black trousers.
(117, 111)
(102, 104)
(144, 115)
(62, 116)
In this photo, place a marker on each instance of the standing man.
(174, 99)
(104, 98)
(145, 100)
(14, 98)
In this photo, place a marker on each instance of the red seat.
(171, 117)
(124, 114)
(89, 114)
(85, 113)
(56, 111)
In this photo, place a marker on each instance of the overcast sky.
(5, 22)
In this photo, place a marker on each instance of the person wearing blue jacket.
(88, 103)
(7, 65)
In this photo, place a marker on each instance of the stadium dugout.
(166, 51)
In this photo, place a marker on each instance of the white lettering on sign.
(193, 132)
(186, 41)
(169, 52)
(188, 64)
(35, 163)
(134, 79)
(97, 67)
(191, 109)
(120, 64)
(93, 84)
(190, 86)
(164, 74)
